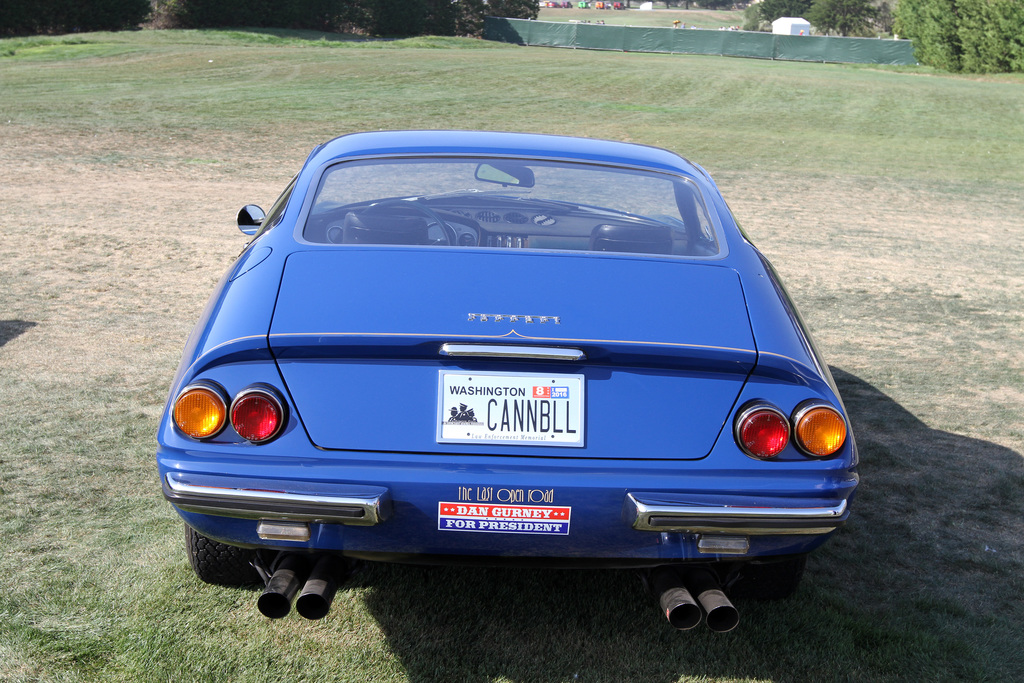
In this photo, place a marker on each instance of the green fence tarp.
(731, 43)
(699, 42)
(552, 34)
(505, 31)
(748, 44)
(639, 39)
(871, 51)
(597, 37)
(801, 48)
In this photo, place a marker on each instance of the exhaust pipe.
(675, 601)
(284, 583)
(721, 615)
(315, 600)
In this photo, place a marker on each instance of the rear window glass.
(517, 204)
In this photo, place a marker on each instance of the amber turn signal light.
(200, 411)
(820, 429)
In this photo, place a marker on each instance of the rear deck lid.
(358, 336)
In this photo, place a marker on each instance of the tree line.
(978, 36)
(839, 17)
(373, 17)
(35, 17)
(955, 35)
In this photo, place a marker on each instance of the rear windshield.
(511, 204)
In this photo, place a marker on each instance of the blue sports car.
(500, 348)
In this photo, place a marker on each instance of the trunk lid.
(358, 335)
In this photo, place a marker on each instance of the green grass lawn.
(890, 199)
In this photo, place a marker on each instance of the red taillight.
(762, 431)
(257, 415)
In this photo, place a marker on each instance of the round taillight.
(257, 415)
(200, 411)
(820, 429)
(762, 431)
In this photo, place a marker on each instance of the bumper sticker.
(504, 519)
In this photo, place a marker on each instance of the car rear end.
(669, 442)
(462, 403)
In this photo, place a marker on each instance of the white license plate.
(512, 409)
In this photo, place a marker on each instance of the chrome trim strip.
(735, 520)
(354, 509)
(511, 351)
(508, 335)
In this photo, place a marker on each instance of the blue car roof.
(474, 143)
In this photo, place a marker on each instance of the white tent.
(790, 26)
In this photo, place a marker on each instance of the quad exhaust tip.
(317, 595)
(317, 576)
(289, 575)
(675, 590)
(676, 603)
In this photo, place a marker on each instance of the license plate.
(511, 409)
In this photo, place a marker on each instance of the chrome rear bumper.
(354, 505)
(370, 505)
(651, 512)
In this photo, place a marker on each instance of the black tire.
(769, 580)
(219, 563)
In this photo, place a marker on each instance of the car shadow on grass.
(924, 582)
(12, 329)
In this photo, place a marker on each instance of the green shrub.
(771, 10)
(377, 17)
(965, 35)
(20, 17)
(991, 35)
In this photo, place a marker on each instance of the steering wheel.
(450, 236)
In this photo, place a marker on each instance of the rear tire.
(219, 563)
(769, 580)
